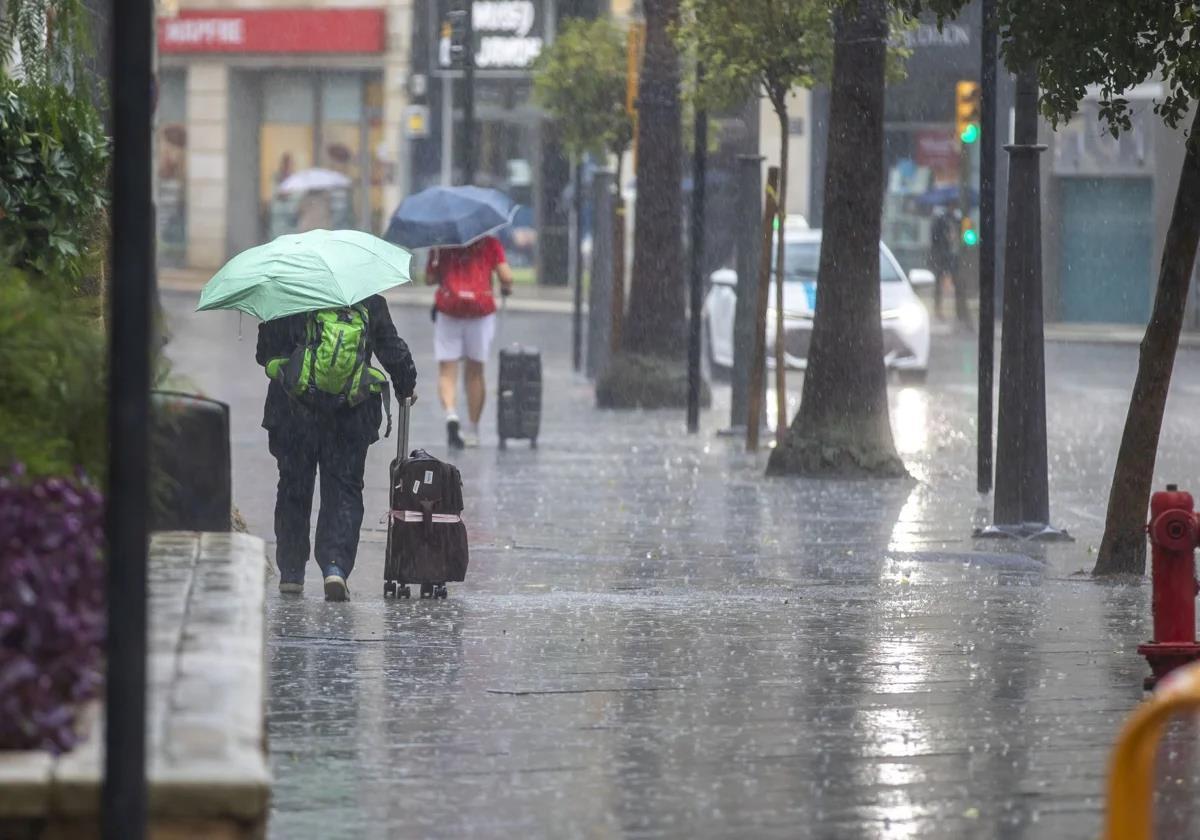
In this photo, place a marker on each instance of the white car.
(905, 318)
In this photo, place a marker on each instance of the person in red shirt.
(464, 324)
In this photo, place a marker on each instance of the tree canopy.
(1108, 46)
(50, 37)
(1112, 46)
(53, 170)
(772, 45)
(580, 79)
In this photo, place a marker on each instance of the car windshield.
(802, 259)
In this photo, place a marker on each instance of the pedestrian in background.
(304, 439)
(465, 324)
(943, 259)
(315, 212)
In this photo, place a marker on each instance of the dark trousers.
(960, 294)
(336, 445)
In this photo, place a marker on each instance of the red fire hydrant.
(1174, 532)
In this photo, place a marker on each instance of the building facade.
(1108, 203)
(924, 159)
(514, 148)
(250, 94)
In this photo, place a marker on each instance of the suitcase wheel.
(426, 591)
(439, 591)
(392, 589)
(503, 443)
(533, 443)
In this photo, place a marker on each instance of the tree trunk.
(1123, 548)
(842, 428)
(649, 372)
(780, 251)
(654, 325)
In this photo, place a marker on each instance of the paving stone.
(24, 784)
(656, 641)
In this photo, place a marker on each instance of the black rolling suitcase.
(519, 405)
(426, 539)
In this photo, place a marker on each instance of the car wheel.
(912, 376)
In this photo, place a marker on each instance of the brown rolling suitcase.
(426, 539)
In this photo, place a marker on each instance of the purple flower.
(51, 606)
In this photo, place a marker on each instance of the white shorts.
(463, 338)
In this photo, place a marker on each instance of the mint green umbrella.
(304, 272)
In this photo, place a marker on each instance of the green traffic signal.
(970, 134)
(970, 237)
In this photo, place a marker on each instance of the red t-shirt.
(464, 277)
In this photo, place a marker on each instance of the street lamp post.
(987, 246)
(699, 155)
(123, 803)
(468, 59)
(1022, 501)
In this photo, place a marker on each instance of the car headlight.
(787, 316)
(909, 317)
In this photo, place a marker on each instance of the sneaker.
(335, 585)
(291, 587)
(471, 439)
(452, 435)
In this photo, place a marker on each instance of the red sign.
(939, 150)
(274, 31)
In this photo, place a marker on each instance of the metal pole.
(756, 407)
(749, 239)
(447, 131)
(577, 321)
(1022, 499)
(987, 245)
(469, 95)
(699, 154)
(123, 802)
(600, 323)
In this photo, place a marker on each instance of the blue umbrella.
(449, 216)
(945, 195)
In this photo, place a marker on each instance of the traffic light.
(966, 109)
(456, 31)
(970, 236)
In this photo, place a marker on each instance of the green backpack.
(330, 369)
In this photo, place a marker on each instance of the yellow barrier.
(1131, 774)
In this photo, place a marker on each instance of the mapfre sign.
(274, 31)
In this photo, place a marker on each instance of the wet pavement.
(656, 641)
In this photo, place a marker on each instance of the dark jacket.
(280, 337)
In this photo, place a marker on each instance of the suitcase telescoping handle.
(402, 428)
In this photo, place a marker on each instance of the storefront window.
(506, 144)
(924, 171)
(171, 150)
(341, 143)
(324, 121)
(380, 170)
(1084, 147)
(285, 145)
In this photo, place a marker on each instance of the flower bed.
(51, 608)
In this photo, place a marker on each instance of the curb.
(1098, 334)
(423, 301)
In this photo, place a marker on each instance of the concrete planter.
(206, 745)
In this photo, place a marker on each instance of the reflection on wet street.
(655, 641)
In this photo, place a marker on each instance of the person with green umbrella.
(323, 320)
